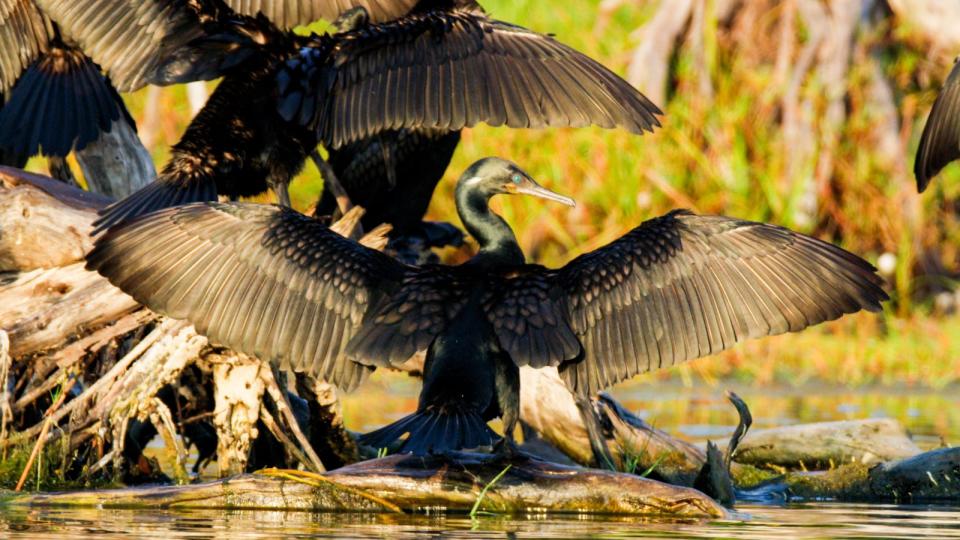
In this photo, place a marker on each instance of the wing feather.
(940, 142)
(675, 288)
(456, 68)
(291, 13)
(259, 279)
(683, 286)
(131, 39)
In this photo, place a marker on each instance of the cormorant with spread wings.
(445, 65)
(273, 283)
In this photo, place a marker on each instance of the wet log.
(451, 483)
(825, 444)
(928, 477)
(548, 407)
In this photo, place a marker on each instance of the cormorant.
(273, 283)
(940, 142)
(53, 98)
(392, 175)
(445, 65)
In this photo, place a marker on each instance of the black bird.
(276, 284)
(445, 65)
(392, 175)
(53, 98)
(940, 142)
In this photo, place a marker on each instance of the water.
(695, 414)
(792, 521)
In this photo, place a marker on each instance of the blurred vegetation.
(722, 150)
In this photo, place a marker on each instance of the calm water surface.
(696, 414)
(792, 521)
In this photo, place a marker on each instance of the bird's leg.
(60, 169)
(507, 381)
(389, 165)
(282, 188)
(331, 182)
(601, 454)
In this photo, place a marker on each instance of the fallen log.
(43, 223)
(548, 407)
(928, 477)
(822, 445)
(451, 483)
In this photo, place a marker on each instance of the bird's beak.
(539, 191)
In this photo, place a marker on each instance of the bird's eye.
(516, 179)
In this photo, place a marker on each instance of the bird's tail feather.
(434, 431)
(162, 193)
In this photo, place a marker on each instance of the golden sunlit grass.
(723, 154)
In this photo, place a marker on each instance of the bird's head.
(492, 176)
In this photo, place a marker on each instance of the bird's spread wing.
(24, 34)
(133, 40)
(940, 142)
(290, 13)
(262, 280)
(683, 286)
(453, 69)
(62, 102)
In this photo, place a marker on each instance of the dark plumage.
(391, 175)
(444, 66)
(940, 142)
(53, 98)
(276, 284)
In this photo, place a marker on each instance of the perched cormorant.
(392, 175)
(940, 142)
(53, 98)
(445, 65)
(273, 283)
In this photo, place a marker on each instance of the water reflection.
(797, 521)
(692, 413)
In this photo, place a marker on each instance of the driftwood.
(43, 223)
(549, 408)
(820, 445)
(116, 164)
(402, 483)
(927, 477)
(66, 324)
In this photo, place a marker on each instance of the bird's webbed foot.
(506, 450)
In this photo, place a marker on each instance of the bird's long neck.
(498, 245)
